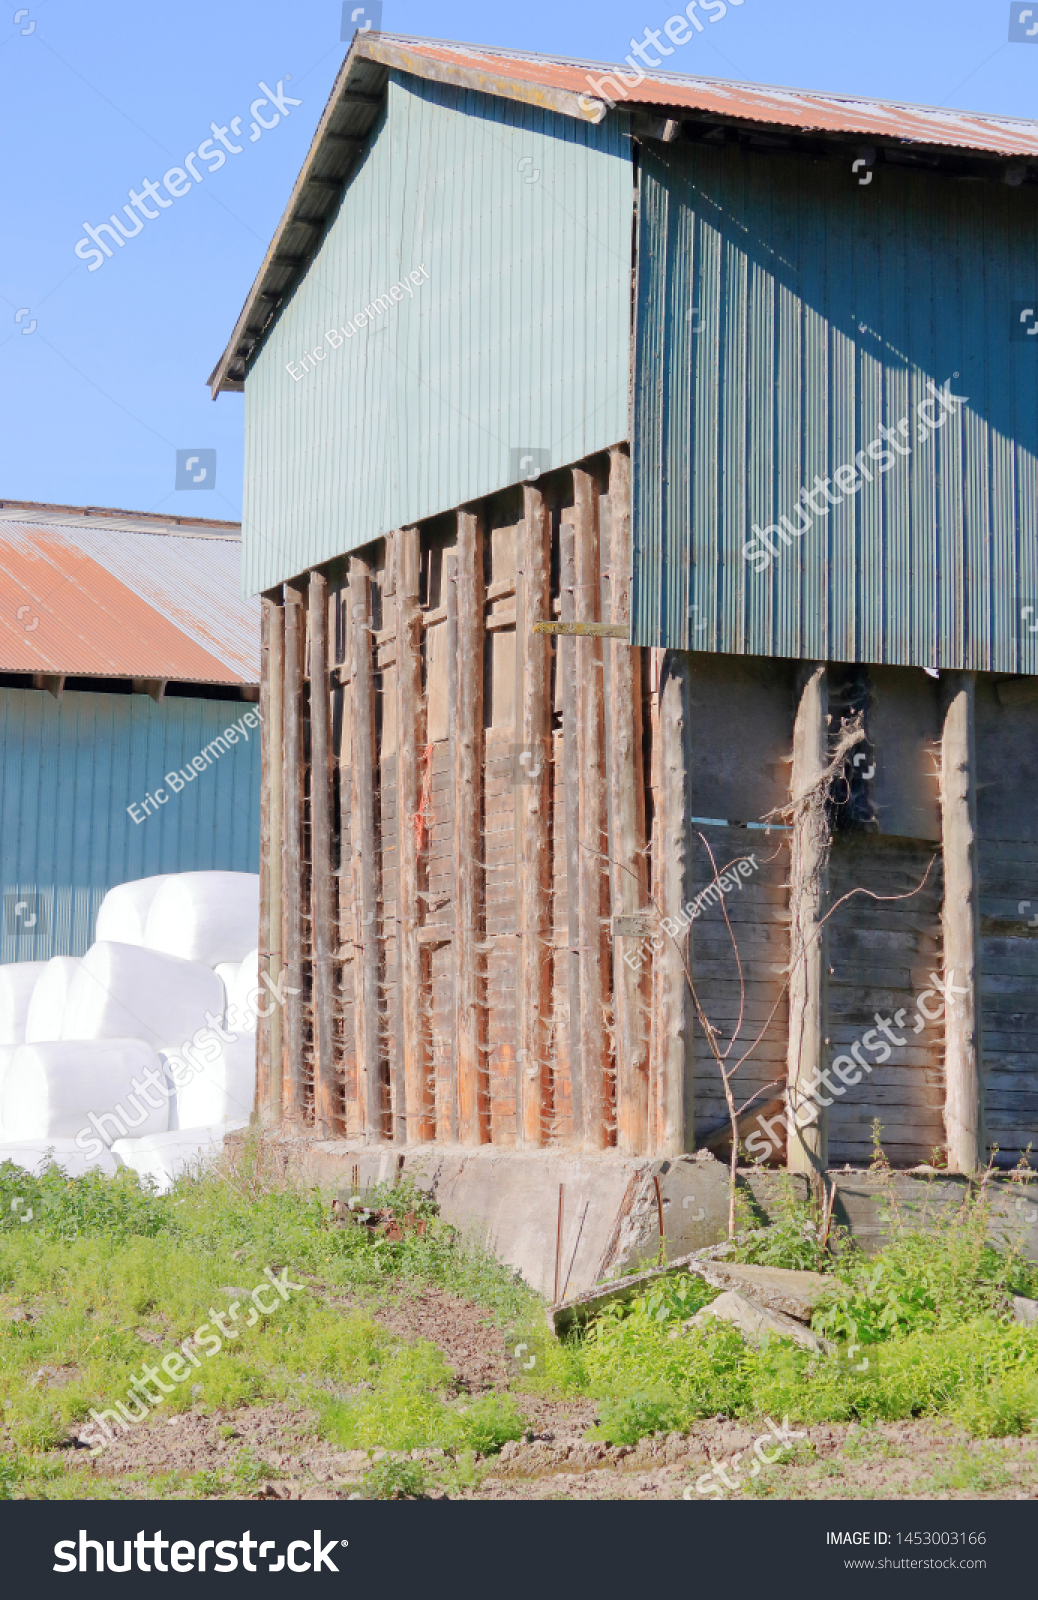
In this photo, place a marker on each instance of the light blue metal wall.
(521, 336)
(783, 313)
(68, 771)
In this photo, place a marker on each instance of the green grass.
(108, 1276)
(113, 1276)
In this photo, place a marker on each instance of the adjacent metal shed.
(125, 651)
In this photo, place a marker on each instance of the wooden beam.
(322, 896)
(273, 733)
(533, 801)
(808, 1135)
(363, 768)
(469, 846)
(627, 836)
(292, 853)
(960, 923)
(593, 879)
(450, 584)
(414, 1109)
(567, 667)
(261, 1107)
(675, 1110)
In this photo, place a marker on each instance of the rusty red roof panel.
(63, 613)
(802, 109)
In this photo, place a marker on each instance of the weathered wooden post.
(597, 1099)
(469, 846)
(807, 1137)
(960, 925)
(416, 1109)
(365, 866)
(675, 1037)
(292, 852)
(322, 899)
(627, 821)
(533, 778)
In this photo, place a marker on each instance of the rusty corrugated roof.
(578, 89)
(89, 602)
(806, 110)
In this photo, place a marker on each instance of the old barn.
(614, 456)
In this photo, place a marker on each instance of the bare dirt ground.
(555, 1460)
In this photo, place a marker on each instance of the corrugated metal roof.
(803, 109)
(85, 601)
(576, 89)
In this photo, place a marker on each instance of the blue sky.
(110, 383)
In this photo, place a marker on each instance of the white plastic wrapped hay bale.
(227, 972)
(123, 991)
(6, 1057)
(160, 1158)
(17, 981)
(49, 999)
(124, 910)
(211, 917)
(244, 995)
(33, 1155)
(100, 1089)
(219, 1089)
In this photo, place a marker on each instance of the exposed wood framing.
(469, 845)
(322, 895)
(627, 842)
(807, 1139)
(533, 984)
(292, 866)
(590, 775)
(363, 767)
(964, 1067)
(675, 1052)
(414, 1107)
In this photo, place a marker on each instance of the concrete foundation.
(509, 1201)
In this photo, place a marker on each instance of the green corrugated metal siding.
(521, 336)
(68, 771)
(783, 314)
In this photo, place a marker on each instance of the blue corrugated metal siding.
(68, 771)
(520, 337)
(783, 314)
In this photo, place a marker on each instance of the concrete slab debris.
(756, 1323)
